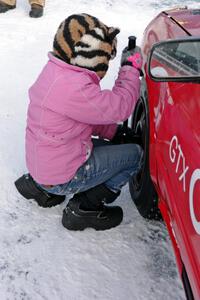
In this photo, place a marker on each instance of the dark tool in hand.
(131, 45)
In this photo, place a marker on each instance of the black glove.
(132, 57)
(125, 135)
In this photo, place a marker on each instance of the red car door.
(178, 164)
(174, 152)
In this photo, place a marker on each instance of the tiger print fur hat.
(82, 40)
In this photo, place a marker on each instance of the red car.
(167, 118)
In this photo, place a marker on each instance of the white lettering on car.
(176, 155)
(194, 178)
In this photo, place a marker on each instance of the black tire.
(141, 186)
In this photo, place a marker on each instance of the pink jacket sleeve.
(84, 101)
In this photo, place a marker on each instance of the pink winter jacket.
(67, 107)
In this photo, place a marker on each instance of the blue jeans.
(110, 164)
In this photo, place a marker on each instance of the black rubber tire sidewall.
(145, 197)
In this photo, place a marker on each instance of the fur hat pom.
(82, 40)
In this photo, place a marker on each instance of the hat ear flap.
(112, 32)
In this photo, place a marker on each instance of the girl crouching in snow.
(67, 109)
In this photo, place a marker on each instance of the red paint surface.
(175, 112)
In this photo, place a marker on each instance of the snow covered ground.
(39, 259)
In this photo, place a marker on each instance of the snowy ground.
(39, 259)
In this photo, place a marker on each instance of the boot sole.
(74, 222)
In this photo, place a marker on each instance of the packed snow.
(39, 258)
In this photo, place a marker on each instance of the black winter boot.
(86, 209)
(5, 7)
(36, 11)
(29, 190)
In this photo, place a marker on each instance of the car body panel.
(188, 19)
(174, 110)
(176, 163)
(160, 29)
